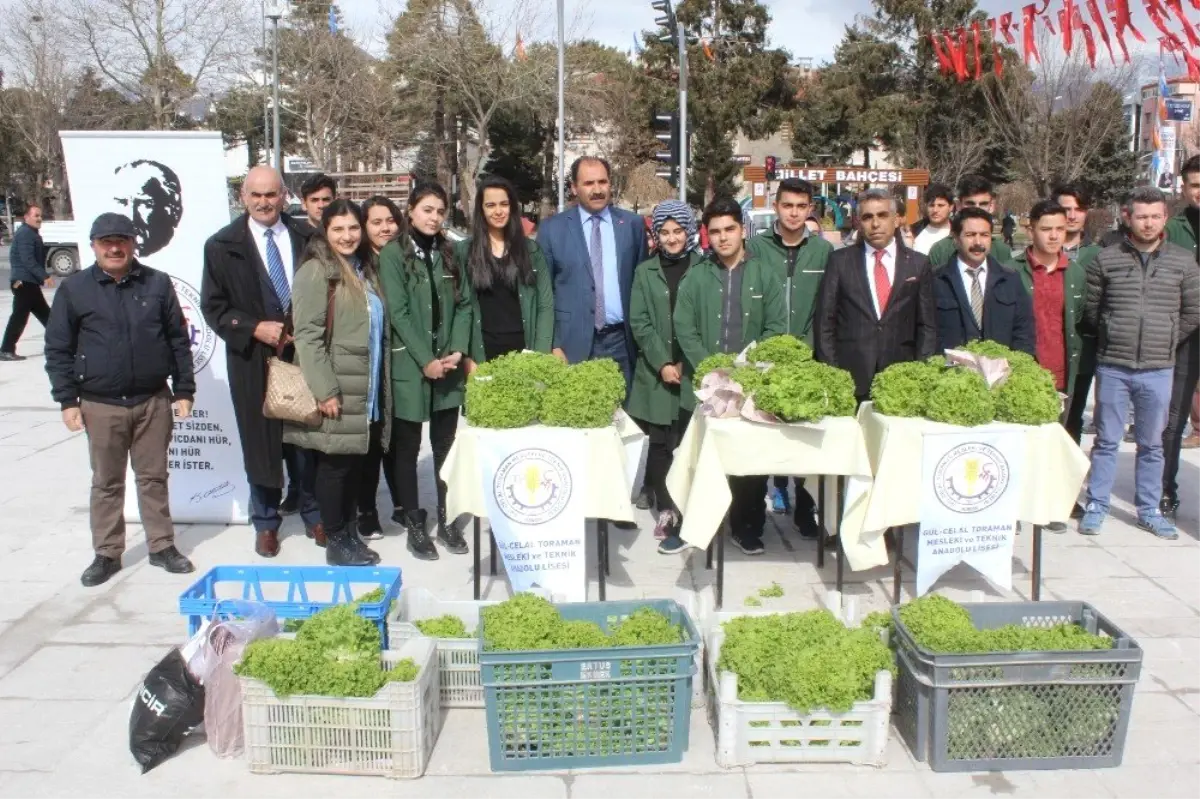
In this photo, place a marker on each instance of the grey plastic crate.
(1018, 710)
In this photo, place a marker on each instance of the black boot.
(419, 542)
(369, 528)
(342, 549)
(1169, 505)
(645, 498)
(450, 536)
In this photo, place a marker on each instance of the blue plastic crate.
(588, 708)
(293, 592)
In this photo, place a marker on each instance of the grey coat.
(1141, 314)
(342, 367)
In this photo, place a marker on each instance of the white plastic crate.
(771, 732)
(391, 734)
(458, 658)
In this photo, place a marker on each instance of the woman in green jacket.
(341, 342)
(429, 305)
(726, 302)
(511, 292)
(658, 372)
(382, 222)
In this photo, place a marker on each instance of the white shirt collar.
(258, 228)
(890, 249)
(963, 266)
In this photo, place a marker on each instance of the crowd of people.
(386, 319)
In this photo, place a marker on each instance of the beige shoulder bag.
(288, 397)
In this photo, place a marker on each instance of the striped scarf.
(678, 211)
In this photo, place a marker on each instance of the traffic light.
(667, 20)
(770, 163)
(666, 130)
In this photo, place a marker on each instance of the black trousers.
(338, 478)
(804, 500)
(748, 510)
(27, 299)
(368, 486)
(1187, 370)
(406, 446)
(660, 454)
(1078, 403)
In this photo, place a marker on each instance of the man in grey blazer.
(592, 249)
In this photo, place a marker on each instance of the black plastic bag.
(169, 704)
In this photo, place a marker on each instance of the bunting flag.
(1094, 12)
(1006, 25)
(945, 64)
(1176, 9)
(637, 46)
(520, 49)
(997, 53)
(1066, 22)
(1028, 21)
(975, 41)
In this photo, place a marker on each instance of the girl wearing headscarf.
(658, 377)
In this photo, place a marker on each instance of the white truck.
(62, 247)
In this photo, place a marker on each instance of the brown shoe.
(317, 534)
(1191, 442)
(266, 544)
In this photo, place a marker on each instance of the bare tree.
(162, 52)
(961, 153)
(33, 103)
(464, 55)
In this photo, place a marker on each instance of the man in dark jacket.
(875, 306)
(1143, 301)
(27, 261)
(974, 191)
(976, 296)
(246, 297)
(115, 339)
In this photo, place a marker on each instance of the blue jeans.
(264, 500)
(1150, 392)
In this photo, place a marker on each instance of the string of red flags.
(1077, 23)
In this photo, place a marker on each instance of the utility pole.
(676, 34)
(275, 12)
(266, 102)
(562, 110)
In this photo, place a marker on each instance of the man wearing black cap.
(118, 358)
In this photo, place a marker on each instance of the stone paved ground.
(70, 657)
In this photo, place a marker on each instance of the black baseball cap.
(112, 224)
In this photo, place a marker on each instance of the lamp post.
(562, 111)
(266, 102)
(274, 13)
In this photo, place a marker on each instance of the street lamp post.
(562, 112)
(266, 102)
(275, 12)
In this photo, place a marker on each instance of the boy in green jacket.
(726, 302)
(798, 260)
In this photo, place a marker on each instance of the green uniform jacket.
(800, 290)
(1074, 292)
(699, 312)
(340, 369)
(650, 399)
(537, 303)
(945, 250)
(414, 341)
(1181, 232)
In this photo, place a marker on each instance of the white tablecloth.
(714, 448)
(607, 490)
(1052, 474)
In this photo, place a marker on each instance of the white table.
(605, 499)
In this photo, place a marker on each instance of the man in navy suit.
(875, 305)
(592, 249)
(976, 296)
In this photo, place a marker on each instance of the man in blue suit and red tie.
(592, 249)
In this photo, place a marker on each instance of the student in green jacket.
(974, 191)
(511, 291)
(429, 305)
(798, 258)
(725, 302)
(343, 360)
(658, 374)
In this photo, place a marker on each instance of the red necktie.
(883, 286)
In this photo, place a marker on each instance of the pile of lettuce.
(525, 388)
(779, 351)
(805, 392)
(960, 396)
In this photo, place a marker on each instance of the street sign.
(1179, 109)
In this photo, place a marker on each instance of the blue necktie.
(276, 273)
(596, 254)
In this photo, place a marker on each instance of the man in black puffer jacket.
(114, 342)
(1143, 300)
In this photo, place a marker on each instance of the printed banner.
(172, 185)
(969, 504)
(533, 486)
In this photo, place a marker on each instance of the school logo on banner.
(201, 336)
(969, 503)
(971, 477)
(532, 486)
